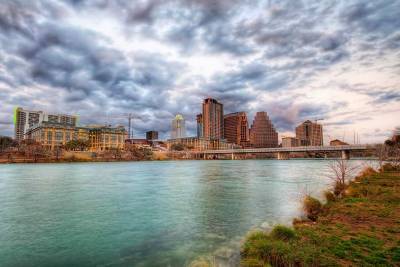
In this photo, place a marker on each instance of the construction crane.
(130, 118)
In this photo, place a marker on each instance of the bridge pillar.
(345, 154)
(283, 155)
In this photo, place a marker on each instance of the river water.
(166, 213)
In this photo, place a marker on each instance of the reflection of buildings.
(152, 135)
(309, 134)
(290, 142)
(54, 134)
(236, 128)
(262, 132)
(178, 127)
(24, 119)
(195, 143)
(213, 119)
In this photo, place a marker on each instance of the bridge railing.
(286, 149)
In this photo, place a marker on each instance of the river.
(164, 213)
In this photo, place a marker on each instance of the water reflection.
(144, 213)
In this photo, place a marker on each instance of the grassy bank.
(360, 229)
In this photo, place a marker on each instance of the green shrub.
(312, 207)
(256, 235)
(283, 233)
(252, 262)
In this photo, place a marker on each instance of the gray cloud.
(277, 48)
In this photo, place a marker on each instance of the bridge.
(283, 152)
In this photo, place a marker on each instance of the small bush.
(387, 167)
(297, 221)
(312, 207)
(367, 171)
(256, 235)
(283, 233)
(339, 189)
(253, 263)
(200, 263)
(329, 196)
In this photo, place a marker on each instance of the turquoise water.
(144, 213)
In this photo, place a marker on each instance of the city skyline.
(160, 58)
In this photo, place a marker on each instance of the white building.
(178, 127)
(25, 119)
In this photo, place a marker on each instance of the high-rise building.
(309, 134)
(262, 132)
(152, 135)
(178, 127)
(199, 120)
(25, 119)
(236, 128)
(213, 119)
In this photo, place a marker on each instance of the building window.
(113, 138)
(67, 136)
(59, 136)
(49, 136)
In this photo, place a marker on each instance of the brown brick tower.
(262, 132)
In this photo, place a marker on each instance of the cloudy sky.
(297, 60)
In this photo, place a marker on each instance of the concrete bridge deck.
(286, 149)
(283, 152)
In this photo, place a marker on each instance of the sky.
(333, 60)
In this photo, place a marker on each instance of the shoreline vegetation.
(359, 225)
(155, 157)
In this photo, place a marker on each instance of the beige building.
(178, 129)
(105, 137)
(262, 131)
(53, 135)
(25, 119)
(290, 142)
(309, 134)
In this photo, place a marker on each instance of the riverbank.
(361, 229)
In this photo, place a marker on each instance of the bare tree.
(382, 152)
(342, 171)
